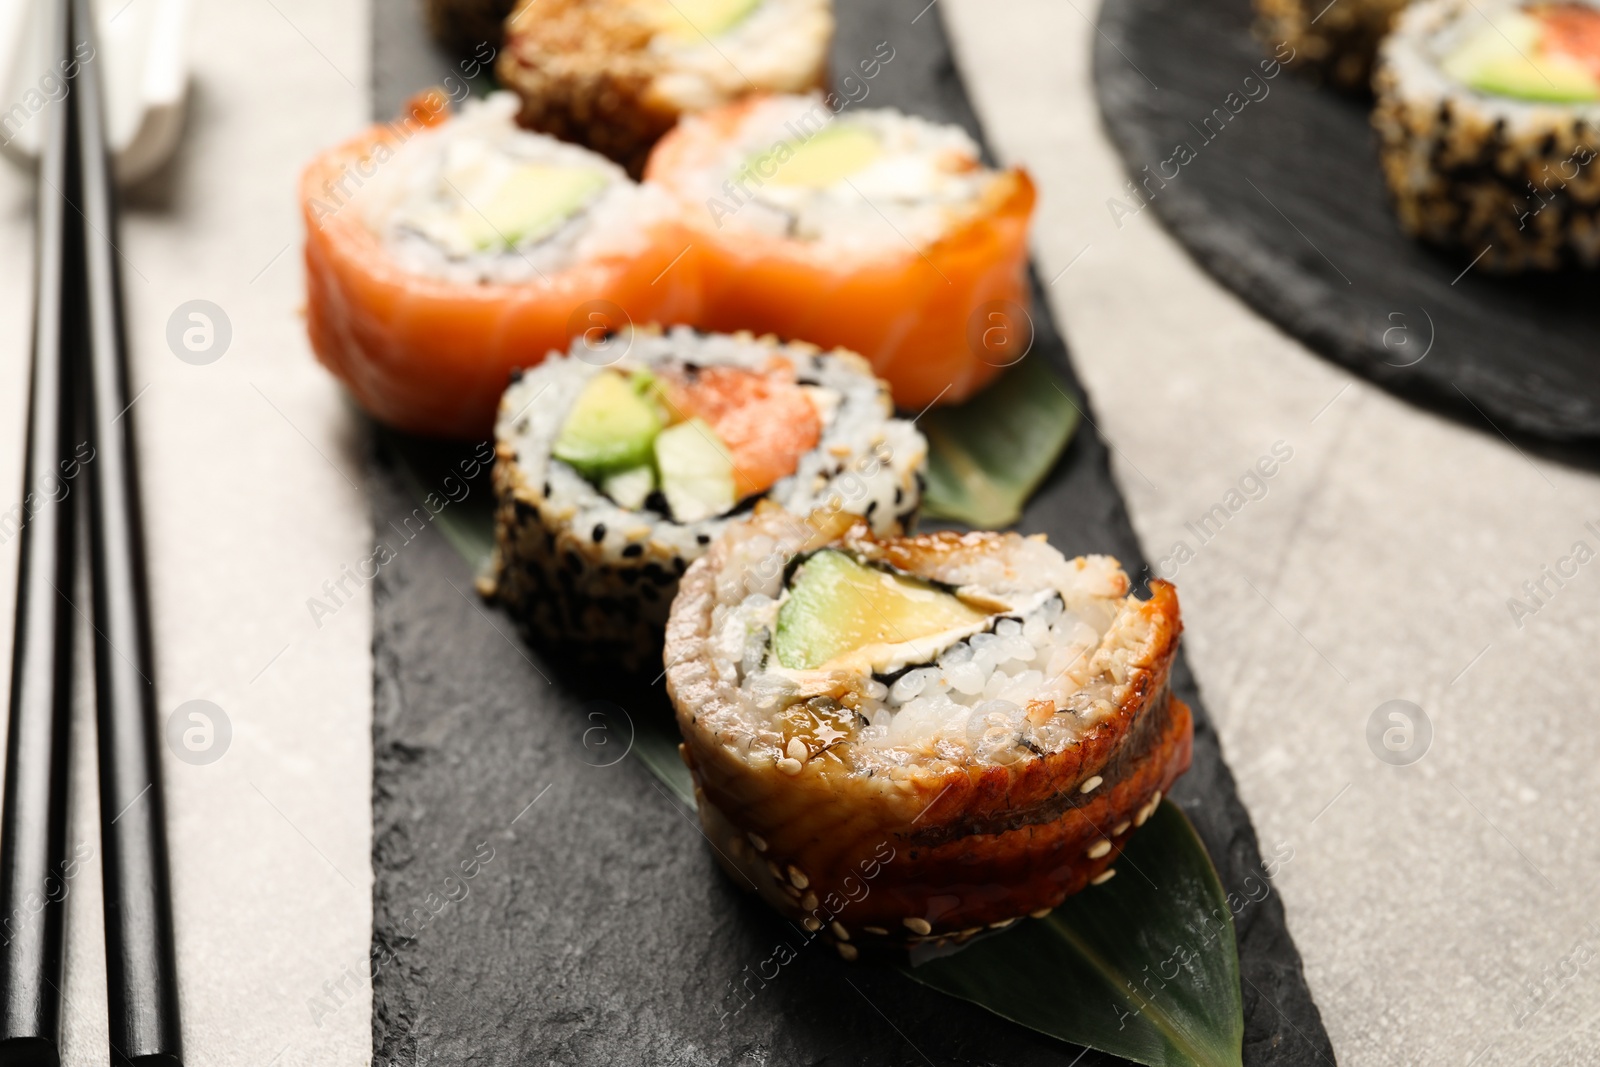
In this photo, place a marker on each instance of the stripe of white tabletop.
(1440, 907)
(252, 468)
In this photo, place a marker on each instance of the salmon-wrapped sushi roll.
(870, 230)
(616, 74)
(903, 742)
(443, 252)
(615, 470)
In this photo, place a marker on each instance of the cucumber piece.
(630, 488)
(696, 471)
(837, 606)
(610, 428)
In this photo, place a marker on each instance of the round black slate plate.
(1284, 203)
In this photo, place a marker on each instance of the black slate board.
(601, 931)
(1286, 206)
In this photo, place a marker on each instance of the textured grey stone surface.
(601, 931)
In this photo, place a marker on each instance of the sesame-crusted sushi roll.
(616, 466)
(1489, 119)
(1337, 40)
(907, 741)
(871, 230)
(442, 252)
(616, 74)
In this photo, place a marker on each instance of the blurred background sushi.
(617, 74)
(1489, 119)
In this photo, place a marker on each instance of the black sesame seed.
(679, 565)
(899, 495)
(633, 551)
(629, 576)
(871, 508)
(599, 533)
(516, 374)
(704, 539)
(656, 574)
(547, 488)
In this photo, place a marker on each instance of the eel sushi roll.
(614, 474)
(617, 74)
(1488, 116)
(1337, 40)
(870, 230)
(903, 742)
(442, 252)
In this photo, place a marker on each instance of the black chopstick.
(33, 825)
(141, 966)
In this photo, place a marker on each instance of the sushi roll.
(1488, 116)
(616, 74)
(904, 742)
(870, 230)
(615, 470)
(442, 252)
(1339, 41)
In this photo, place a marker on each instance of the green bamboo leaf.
(988, 455)
(1144, 967)
(655, 742)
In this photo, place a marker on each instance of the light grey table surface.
(1440, 907)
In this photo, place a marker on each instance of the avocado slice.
(837, 606)
(610, 428)
(688, 20)
(1506, 59)
(531, 203)
(827, 157)
(696, 471)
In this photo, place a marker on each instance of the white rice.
(424, 179)
(780, 47)
(927, 181)
(1037, 677)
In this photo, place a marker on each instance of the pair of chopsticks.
(79, 394)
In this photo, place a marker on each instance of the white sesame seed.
(918, 926)
(790, 766)
(797, 877)
(1039, 913)
(809, 902)
(777, 872)
(1002, 924)
(878, 930)
(811, 924)
(1121, 828)
(1091, 784)
(797, 750)
(839, 931)
(758, 841)
(1104, 876)
(1099, 848)
(847, 952)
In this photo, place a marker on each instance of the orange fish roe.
(766, 420)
